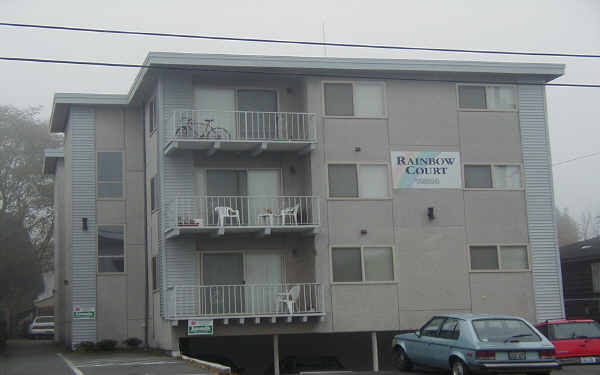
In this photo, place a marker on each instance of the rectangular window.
(111, 248)
(110, 174)
(356, 264)
(493, 257)
(507, 176)
(153, 194)
(154, 274)
(363, 99)
(358, 181)
(152, 114)
(487, 97)
(493, 176)
(514, 258)
(595, 277)
(478, 176)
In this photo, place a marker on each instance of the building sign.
(426, 170)
(81, 313)
(200, 327)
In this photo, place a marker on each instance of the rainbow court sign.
(426, 170)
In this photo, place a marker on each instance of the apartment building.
(230, 199)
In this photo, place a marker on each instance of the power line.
(577, 158)
(297, 42)
(123, 65)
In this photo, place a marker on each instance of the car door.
(439, 347)
(422, 346)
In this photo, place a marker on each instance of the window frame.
(354, 83)
(123, 177)
(152, 119)
(362, 265)
(515, 91)
(154, 206)
(203, 252)
(98, 256)
(498, 246)
(154, 277)
(492, 168)
(358, 164)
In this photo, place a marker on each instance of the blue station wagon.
(472, 343)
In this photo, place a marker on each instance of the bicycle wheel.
(219, 133)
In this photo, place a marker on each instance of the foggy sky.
(543, 26)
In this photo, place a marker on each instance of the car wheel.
(459, 368)
(401, 360)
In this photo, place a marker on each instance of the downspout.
(147, 292)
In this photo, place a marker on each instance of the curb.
(214, 367)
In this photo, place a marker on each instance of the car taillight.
(483, 355)
(548, 354)
(37, 327)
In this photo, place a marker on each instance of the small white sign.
(84, 313)
(426, 170)
(200, 327)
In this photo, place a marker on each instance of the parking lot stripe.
(143, 363)
(73, 368)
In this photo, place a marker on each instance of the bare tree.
(590, 225)
(568, 231)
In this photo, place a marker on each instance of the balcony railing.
(201, 128)
(245, 301)
(242, 214)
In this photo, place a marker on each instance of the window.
(154, 274)
(569, 331)
(478, 176)
(110, 174)
(493, 257)
(152, 115)
(492, 176)
(153, 194)
(111, 248)
(362, 99)
(595, 277)
(356, 264)
(358, 181)
(503, 330)
(431, 329)
(450, 329)
(486, 97)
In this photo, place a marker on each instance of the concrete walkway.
(25, 357)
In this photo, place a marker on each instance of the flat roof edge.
(51, 156)
(335, 63)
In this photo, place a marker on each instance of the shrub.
(106, 345)
(133, 342)
(85, 346)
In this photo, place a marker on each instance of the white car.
(42, 326)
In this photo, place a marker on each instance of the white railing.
(261, 300)
(243, 125)
(243, 211)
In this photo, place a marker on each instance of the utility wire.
(577, 158)
(296, 42)
(191, 68)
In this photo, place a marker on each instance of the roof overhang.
(51, 156)
(363, 67)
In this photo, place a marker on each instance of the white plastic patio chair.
(290, 297)
(291, 212)
(224, 212)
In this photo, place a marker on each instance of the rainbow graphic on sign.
(426, 170)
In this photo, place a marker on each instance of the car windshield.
(504, 330)
(574, 330)
(45, 319)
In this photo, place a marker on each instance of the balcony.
(261, 301)
(254, 132)
(220, 215)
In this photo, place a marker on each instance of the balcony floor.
(252, 146)
(215, 231)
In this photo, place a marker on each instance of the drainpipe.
(147, 292)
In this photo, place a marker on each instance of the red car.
(576, 341)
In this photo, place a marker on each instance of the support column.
(276, 353)
(375, 351)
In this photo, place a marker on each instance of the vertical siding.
(83, 178)
(177, 256)
(537, 170)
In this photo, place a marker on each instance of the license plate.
(516, 356)
(587, 360)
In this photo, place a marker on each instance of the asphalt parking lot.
(24, 357)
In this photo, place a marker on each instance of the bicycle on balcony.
(189, 128)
